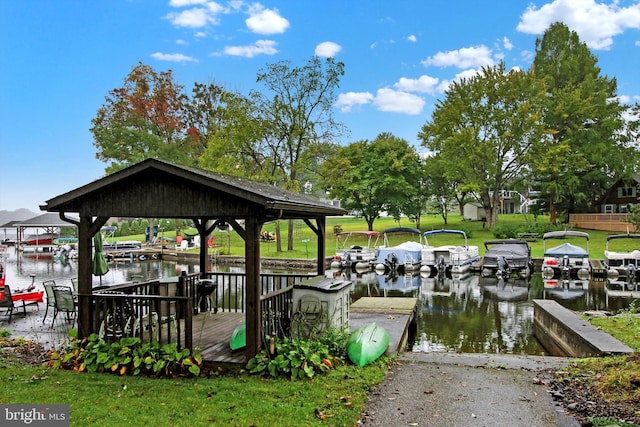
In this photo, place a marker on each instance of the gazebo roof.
(155, 188)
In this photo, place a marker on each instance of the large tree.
(484, 130)
(141, 119)
(296, 115)
(370, 177)
(584, 152)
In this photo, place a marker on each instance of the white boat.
(403, 257)
(566, 260)
(455, 259)
(624, 264)
(358, 256)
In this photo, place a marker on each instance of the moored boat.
(403, 257)
(504, 257)
(455, 259)
(367, 343)
(620, 263)
(566, 260)
(27, 296)
(357, 256)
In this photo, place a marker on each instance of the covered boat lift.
(159, 189)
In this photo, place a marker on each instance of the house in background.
(621, 195)
(614, 207)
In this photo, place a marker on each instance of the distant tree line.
(558, 128)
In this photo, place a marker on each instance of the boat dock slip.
(394, 314)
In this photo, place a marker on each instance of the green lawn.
(222, 400)
(231, 244)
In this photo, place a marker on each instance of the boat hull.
(366, 344)
(238, 339)
(35, 296)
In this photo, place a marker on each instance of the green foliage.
(374, 176)
(634, 216)
(127, 356)
(5, 333)
(483, 132)
(294, 358)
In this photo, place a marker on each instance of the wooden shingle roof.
(158, 189)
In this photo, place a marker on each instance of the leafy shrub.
(295, 358)
(505, 230)
(127, 356)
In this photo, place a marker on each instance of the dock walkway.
(396, 315)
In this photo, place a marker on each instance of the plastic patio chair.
(64, 302)
(51, 298)
(8, 305)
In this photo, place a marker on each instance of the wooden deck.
(211, 333)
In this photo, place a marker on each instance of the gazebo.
(159, 189)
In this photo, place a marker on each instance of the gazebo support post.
(86, 230)
(252, 260)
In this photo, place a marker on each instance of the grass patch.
(337, 397)
(609, 385)
(231, 243)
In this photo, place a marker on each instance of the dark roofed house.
(158, 189)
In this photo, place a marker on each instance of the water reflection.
(478, 314)
(461, 313)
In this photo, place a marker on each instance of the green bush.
(127, 356)
(295, 358)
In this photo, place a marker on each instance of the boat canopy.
(572, 251)
(434, 232)
(623, 236)
(498, 242)
(401, 230)
(564, 234)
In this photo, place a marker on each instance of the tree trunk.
(278, 238)
(290, 237)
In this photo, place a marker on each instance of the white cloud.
(265, 21)
(173, 57)
(346, 101)
(395, 101)
(328, 49)
(412, 38)
(181, 42)
(423, 84)
(183, 3)
(193, 18)
(466, 57)
(261, 47)
(595, 23)
(507, 43)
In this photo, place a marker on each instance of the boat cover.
(568, 249)
(405, 252)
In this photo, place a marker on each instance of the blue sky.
(61, 58)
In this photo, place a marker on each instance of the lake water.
(466, 314)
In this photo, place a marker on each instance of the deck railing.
(162, 310)
(600, 221)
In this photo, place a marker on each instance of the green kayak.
(367, 343)
(239, 337)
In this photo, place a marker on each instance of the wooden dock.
(396, 315)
